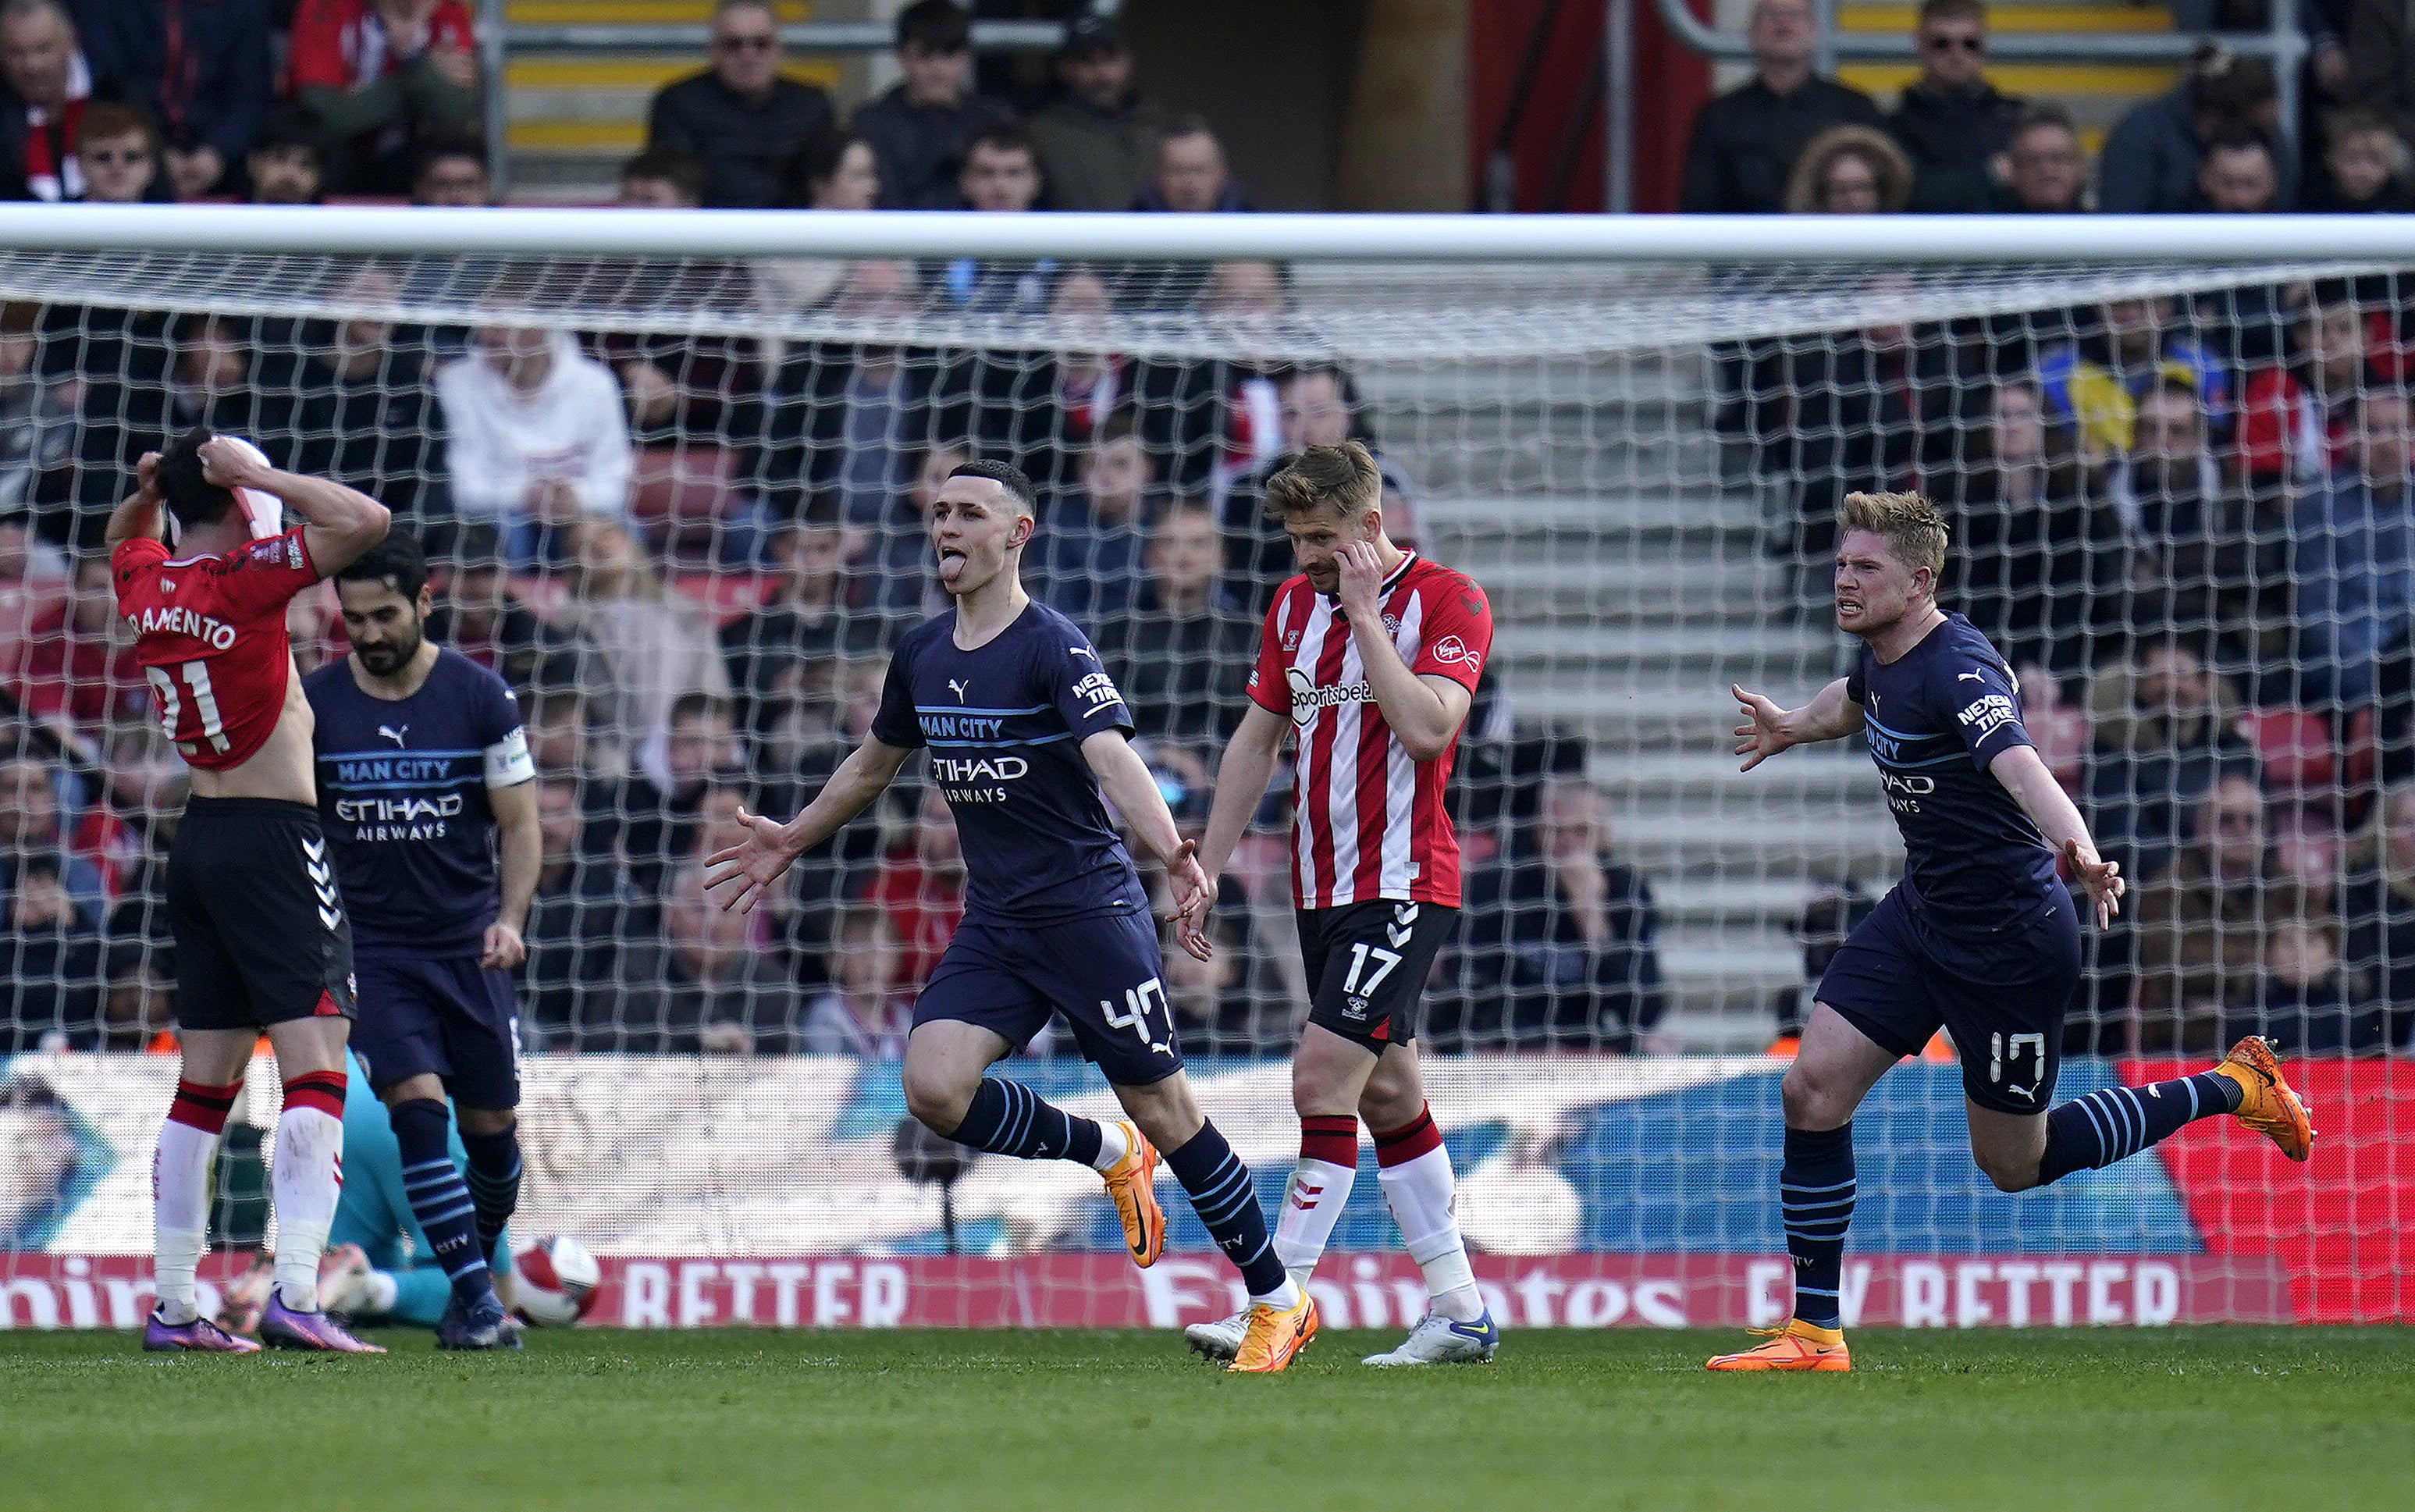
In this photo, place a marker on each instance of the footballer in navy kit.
(426, 789)
(1980, 938)
(1025, 735)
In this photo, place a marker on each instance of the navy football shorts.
(445, 1017)
(2001, 996)
(1102, 971)
(1367, 967)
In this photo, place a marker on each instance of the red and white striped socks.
(306, 1181)
(1319, 1189)
(1420, 1188)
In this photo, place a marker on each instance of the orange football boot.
(1798, 1346)
(1131, 1184)
(1275, 1335)
(2266, 1104)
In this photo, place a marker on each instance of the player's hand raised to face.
(750, 867)
(1362, 577)
(1762, 734)
(2101, 877)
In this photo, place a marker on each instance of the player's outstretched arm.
(338, 524)
(748, 869)
(2024, 775)
(1241, 777)
(1126, 781)
(1768, 729)
(136, 518)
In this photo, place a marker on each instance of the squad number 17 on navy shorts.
(1102, 971)
(445, 1017)
(2002, 994)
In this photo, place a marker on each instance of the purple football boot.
(282, 1328)
(201, 1336)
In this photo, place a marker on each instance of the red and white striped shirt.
(1368, 820)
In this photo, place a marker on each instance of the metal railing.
(2282, 43)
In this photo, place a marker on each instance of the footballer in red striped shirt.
(1369, 664)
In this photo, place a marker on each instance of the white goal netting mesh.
(678, 505)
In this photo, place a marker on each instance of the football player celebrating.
(426, 785)
(261, 942)
(1370, 658)
(1027, 735)
(1981, 937)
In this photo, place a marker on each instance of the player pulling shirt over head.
(1026, 739)
(426, 789)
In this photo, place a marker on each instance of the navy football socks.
(2091, 1132)
(438, 1199)
(494, 1182)
(1009, 1118)
(1225, 1200)
(1815, 1192)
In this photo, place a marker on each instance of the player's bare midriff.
(280, 769)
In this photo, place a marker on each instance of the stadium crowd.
(2185, 521)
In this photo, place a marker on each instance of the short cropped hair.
(1005, 475)
(1912, 527)
(684, 172)
(192, 498)
(697, 704)
(935, 27)
(1343, 479)
(399, 561)
(103, 120)
(1003, 136)
(1972, 10)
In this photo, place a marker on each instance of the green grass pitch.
(2314, 1420)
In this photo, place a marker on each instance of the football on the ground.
(554, 1281)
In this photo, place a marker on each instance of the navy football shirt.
(1005, 723)
(403, 789)
(1935, 717)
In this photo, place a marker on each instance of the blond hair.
(1341, 478)
(1912, 527)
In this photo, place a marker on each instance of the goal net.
(678, 505)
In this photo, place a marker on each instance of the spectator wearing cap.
(2381, 62)
(2151, 158)
(741, 115)
(1745, 142)
(920, 128)
(383, 75)
(1188, 172)
(2366, 165)
(285, 164)
(1951, 121)
(2046, 166)
(202, 68)
(46, 82)
(449, 171)
(118, 152)
(1099, 137)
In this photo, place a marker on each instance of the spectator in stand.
(35, 823)
(2218, 554)
(830, 169)
(2046, 166)
(51, 912)
(285, 165)
(2096, 381)
(201, 68)
(351, 401)
(2355, 554)
(920, 129)
(1951, 121)
(45, 83)
(2306, 1003)
(2200, 926)
(2165, 731)
(657, 646)
(1188, 172)
(1745, 142)
(36, 420)
(117, 151)
(1318, 408)
(2295, 414)
(660, 805)
(1850, 170)
(860, 1015)
(1566, 939)
(2378, 908)
(2150, 162)
(741, 115)
(2366, 162)
(2040, 556)
(1001, 176)
(209, 375)
(662, 178)
(803, 619)
(1182, 651)
(449, 172)
(479, 615)
(1090, 550)
(579, 921)
(383, 75)
(1097, 139)
(2381, 62)
(729, 982)
(895, 565)
(2236, 174)
(1040, 409)
(538, 440)
(921, 888)
(75, 670)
